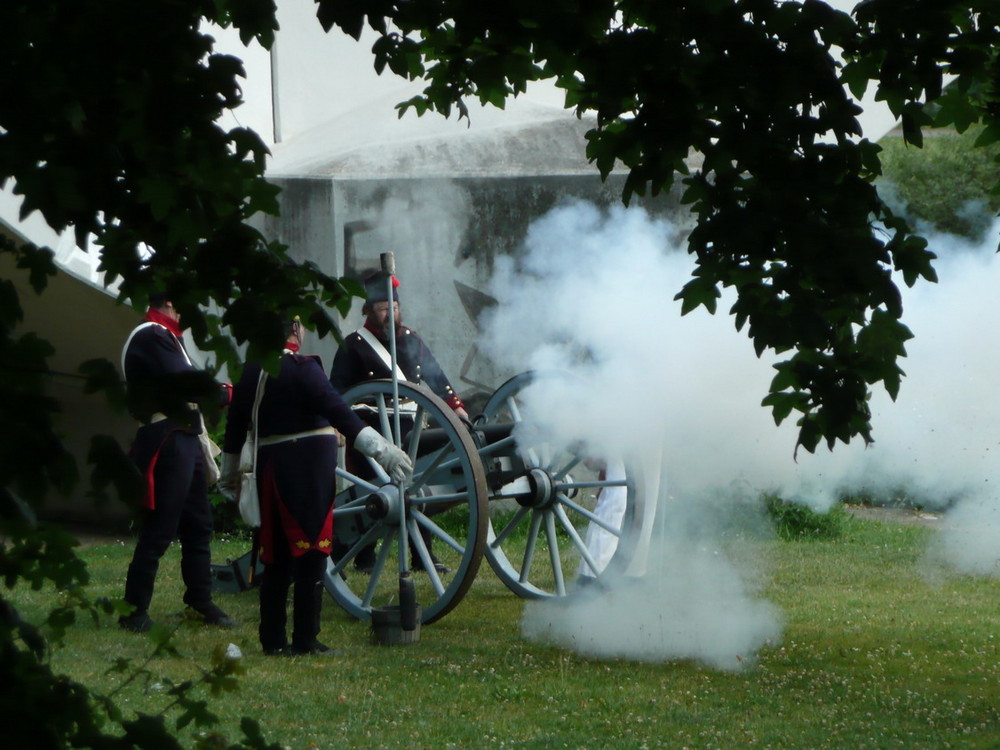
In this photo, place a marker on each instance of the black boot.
(137, 622)
(274, 583)
(364, 561)
(416, 563)
(211, 614)
(307, 606)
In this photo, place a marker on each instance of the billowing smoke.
(946, 431)
(593, 293)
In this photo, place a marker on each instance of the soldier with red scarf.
(176, 458)
(298, 421)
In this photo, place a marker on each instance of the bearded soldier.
(364, 355)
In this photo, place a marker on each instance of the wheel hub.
(541, 489)
(383, 503)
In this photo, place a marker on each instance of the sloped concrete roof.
(526, 138)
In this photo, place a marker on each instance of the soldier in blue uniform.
(300, 421)
(177, 461)
(364, 355)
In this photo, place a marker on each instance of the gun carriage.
(494, 487)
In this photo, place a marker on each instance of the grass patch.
(795, 521)
(874, 655)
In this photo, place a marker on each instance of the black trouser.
(306, 571)
(182, 510)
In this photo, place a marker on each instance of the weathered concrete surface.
(446, 235)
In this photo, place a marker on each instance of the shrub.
(793, 521)
(948, 183)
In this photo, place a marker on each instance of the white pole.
(389, 268)
(275, 96)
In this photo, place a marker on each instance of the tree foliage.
(948, 183)
(785, 196)
(108, 128)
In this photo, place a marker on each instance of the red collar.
(155, 316)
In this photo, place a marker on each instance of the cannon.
(497, 487)
(493, 487)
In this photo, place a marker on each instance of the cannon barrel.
(483, 434)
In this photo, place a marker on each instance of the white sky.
(331, 101)
(323, 78)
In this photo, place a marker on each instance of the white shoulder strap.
(143, 326)
(253, 416)
(128, 341)
(380, 350)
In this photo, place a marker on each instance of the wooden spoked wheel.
(443, 508)
(543, 498)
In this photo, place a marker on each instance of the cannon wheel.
(446, 498)
(553, 517)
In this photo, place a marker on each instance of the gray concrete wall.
(445, 234)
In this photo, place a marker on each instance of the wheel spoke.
(370, 537)
(589, 515)
(529, 548)
(415, 433)
(377, 468)
(574, 535)
(438, 532)
(514, 409)
(573, 461)
(532, 457)
(425, 557)
(357, 481)
(438, 464)
(548, 456)
(511, 525)
(383, 415)
(379, 567)
(550, 534)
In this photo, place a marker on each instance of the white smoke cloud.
(703, 610)
(970, 537)
(593, 292)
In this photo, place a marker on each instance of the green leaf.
(696, 293)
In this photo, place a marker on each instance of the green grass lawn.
(874, 654)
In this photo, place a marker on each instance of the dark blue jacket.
(160, 378)
(298, 400)
(356, 362)
(296, 478)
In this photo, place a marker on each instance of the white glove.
(394, 460)
(230, 478)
